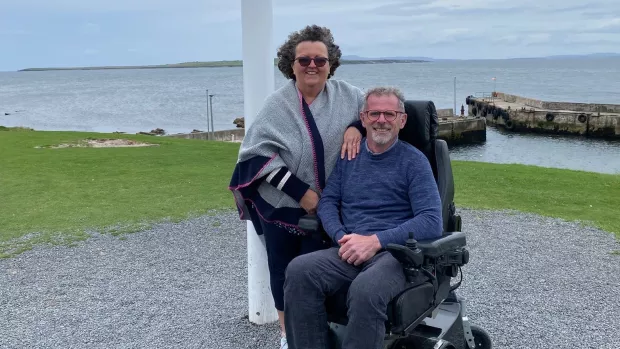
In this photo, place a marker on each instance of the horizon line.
(346, 58)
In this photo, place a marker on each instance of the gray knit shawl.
(280, 131)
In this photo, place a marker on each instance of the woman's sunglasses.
(318, 61)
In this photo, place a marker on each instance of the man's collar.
(373, 153)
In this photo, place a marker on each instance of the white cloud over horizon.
(128, 32)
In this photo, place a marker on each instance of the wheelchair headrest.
(422, 125)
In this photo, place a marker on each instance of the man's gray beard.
(381, 139)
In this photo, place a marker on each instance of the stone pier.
(462, 130)
(522, 114)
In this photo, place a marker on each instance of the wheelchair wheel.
(482, 339)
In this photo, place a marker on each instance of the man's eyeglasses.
(390, 115)
(305, 61)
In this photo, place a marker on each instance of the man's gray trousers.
(312, 277)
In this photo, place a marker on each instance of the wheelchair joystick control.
(410, 256)
(416, 254)
(412, 244)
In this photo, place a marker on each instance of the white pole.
(455, 96)
(258, 83)
(211, 113)
(208, 117)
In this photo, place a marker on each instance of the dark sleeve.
(328, 208)
(358, 125)
(286, 181)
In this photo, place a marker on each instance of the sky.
(63, 33)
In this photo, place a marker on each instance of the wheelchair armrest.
(442, 245)
(310, 224)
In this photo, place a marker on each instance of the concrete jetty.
(521, 114)
(461, 129)
(452, 129)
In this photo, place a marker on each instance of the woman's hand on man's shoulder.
(351, 143)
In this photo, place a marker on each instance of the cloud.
(14, 32)
(451, 35)
(586, 38)
(609, 25)
(469, 5)
(534, 39)
(525, 39)
(90, 28)
(164, 31)
(103, 6)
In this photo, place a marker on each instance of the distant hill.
(175, 65)
(347, 59)
(592, 55)
(237, 63)
(430, 59)
(360, 58)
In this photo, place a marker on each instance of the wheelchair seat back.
(421, 131)
(421, 128)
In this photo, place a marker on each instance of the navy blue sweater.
(387, 194)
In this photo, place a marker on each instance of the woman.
(292, 147)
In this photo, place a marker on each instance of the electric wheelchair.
(428, 314)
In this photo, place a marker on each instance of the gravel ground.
(532, 282)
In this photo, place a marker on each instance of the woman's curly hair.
(286, 52)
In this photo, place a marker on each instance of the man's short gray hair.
(386, 91)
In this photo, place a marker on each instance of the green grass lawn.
(45, 191)
(54, 195)
(573, 195)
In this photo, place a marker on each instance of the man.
(375, 199)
